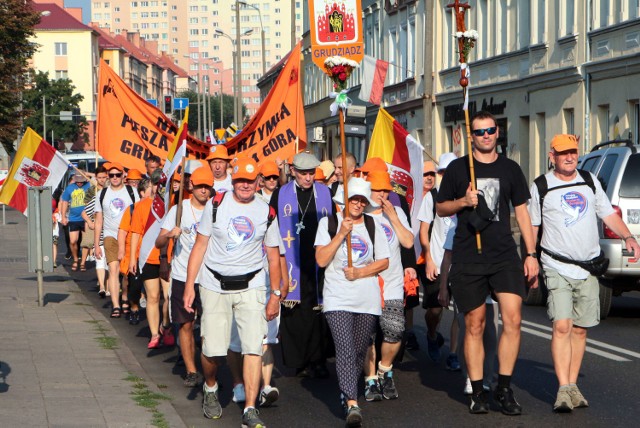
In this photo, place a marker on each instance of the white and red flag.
(151, 230)
(374, 73)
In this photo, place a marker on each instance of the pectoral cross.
(299, 227)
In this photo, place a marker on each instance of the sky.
(86, 8)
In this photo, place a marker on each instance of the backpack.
(369, 223)
(217, 200)
(103, 192)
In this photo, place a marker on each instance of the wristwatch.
(534, 255)
(276, 292)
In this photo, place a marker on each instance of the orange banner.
(130, 129)
(271, 133)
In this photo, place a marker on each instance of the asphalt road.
(429, 395)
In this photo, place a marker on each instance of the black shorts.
(149, 271)
(177, 313)
(76, 226)
(430, 293)
(471, 283)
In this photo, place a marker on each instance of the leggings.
(351, 334)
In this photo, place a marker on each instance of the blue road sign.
(153, 102)
(180, 103)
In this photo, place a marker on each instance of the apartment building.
(190, 32)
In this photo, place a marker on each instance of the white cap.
(445, 160)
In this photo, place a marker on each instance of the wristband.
(629, 237)
(163, 257)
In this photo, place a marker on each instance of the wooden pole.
(345, 182)
(180, 192)
(472, 169)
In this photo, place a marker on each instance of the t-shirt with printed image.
(74, 195)
(113, 205)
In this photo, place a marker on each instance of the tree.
(59, 96)
(214, 105)
(17, 20)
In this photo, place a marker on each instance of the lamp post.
(264, 52)
(237, 76)
(198, 81)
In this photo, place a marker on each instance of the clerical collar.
(302, 189)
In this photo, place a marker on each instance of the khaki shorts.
(111, 249)
(575, 299)
(247, 308)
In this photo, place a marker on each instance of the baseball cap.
(202, 175)
(114, 165)
(380, 180)
(445, 160)
(219, 152)
(562, 142)
(269, 168)
(327, 168)
(134, 174)
(79, 178)
(374, 164)
(176, 176)
(245, 168)
(305, 162)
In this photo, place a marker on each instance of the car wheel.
(606, 294)
(537, 296)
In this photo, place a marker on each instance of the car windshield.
(630, 184)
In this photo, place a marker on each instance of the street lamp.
(264, 52)
(199, 134)
(237, 76)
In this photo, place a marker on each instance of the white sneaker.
(143, 302)
(238, 393)
(467, 387)
(268, 396)
(91, 258)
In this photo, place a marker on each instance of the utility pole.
(427, 97)
(238, 112)
(44, 117)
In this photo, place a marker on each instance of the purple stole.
(288, 212)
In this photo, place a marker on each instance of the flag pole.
(465, 44)
(180, 192)
(345, 181)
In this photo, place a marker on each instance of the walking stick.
(466, 41)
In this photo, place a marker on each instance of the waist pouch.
(482, 216)
(596, 266)
(234, 282)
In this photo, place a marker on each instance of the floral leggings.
(351, 334)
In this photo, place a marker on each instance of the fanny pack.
(596, 266)
(482, 216)
(234, 282)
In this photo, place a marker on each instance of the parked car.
(85, 161)
(616, 164)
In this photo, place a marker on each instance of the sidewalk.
(63, 364)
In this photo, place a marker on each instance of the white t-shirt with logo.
(569, 222)
(393, 276)
(189, 222)
(361, 295)
(440, 228)
(112, 209)
(236, 238)
(221, 186)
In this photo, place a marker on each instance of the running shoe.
(268, 396)
(191, 380)
(478, 403)
(134, 318)
(452, 363)
(238, 393)
(433, 349)
(563, 402)
(411, 342)
(577, 399)
(250, 419)
(507, 402)
(388, 386)
(372, 391)
(210, 404)
(354, 416)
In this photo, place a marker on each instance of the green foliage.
(59, 97)
(17, 20)
(214, 105)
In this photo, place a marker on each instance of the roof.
(106, 40)
(53, 17)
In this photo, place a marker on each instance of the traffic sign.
(180, 103)
(66, 115)
(153, 102)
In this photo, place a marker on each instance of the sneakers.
(468, 389)
(388, 386)
(154, 343)
(433, 347)
(268, 396)
(412, 342)
(238, 393)
(372, 391)
(354, 417)
(134, 318)
(508, 404)
(478, 403)
(250, 419)
(563, 402)
(577, 399)
(210, 404)
(143, 302)
(91, 258)
(191, 380)
(452, 363)
(168, 339)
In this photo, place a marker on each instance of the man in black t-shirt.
(497, 268)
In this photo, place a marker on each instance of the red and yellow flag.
(36, 164)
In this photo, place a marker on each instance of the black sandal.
(116, 313)
(126, 307)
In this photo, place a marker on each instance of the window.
(193, 8)
(204, 31)
(541, 32)
(97, 16)
(603, 122)
(154, 14)
(193, 31)
(569, 16)
(134, 15)
(246, 54)
(144, 4)
(523, 25)
(193, 20)
(502, 35)
(144, 14)
(116, 9)
(205, 55)
(61, 49)
(606, 170)
(604, 13)
(193, 44)
(569, 119)
(630, 183)
(62, 74)
(392, 56)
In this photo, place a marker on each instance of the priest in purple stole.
(300, 204)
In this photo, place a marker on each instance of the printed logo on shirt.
(240, 230)
(490, 189)
(359, 250)
(77, 198)
(388, 231)
(574, 204)
(116, 207)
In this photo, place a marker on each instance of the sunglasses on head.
(480, 132)
(115, 174)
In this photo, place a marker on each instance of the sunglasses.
(114, 175)
(480, 132)
(430, 173)
(271, 177)
(360, 201)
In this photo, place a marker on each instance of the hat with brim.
(246, 169)
(374, 164)
(563, 142)
(219, 152)
(134, 174)
(305, 162)
(202, 176)
(79, 178)
(357, 187)
(445, 160)
(176, 176)
(327, 168)
(113, 165)
(380, 180)
(269, 168)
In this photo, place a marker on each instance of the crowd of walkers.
(282, 253)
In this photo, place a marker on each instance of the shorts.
(111, 249)
(76, 226)
(392, 321)
(247, 308)
(575, 299)
(55, 239)
(271, 338)
(149, 271)
(430, 294)
(102, 263)
(471, 283)
(177, 313)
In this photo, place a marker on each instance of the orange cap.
(380, 180)
(176, 176)
(113, 165)
(202, 175)
(320, 174)
(374, 164)
(219, 152)
(562, 142)
(428, 166)
(245, 168)
(134, 174)
(269, 168)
